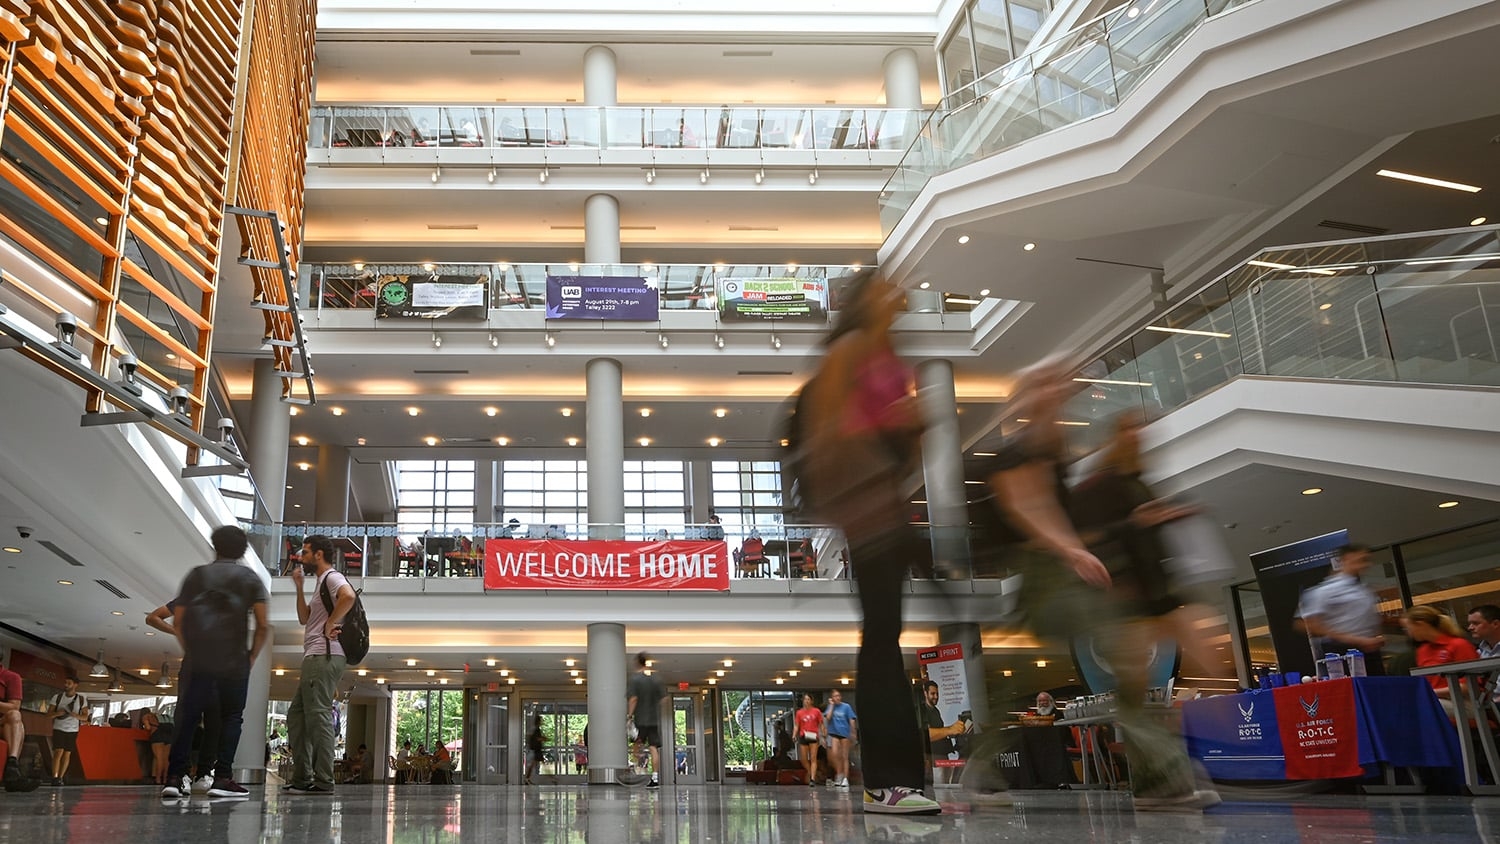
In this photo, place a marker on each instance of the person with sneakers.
(210, 622)
(66, 708)
(644, 710)
(309, 719)
(842, 734)
(858, 432)
(12, 729)
(208, 737)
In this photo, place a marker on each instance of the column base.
(612, 776)
(250, 776)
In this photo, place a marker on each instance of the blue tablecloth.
(1399, 722)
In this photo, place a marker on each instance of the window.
(538, 493)
(655, 496)
(958, 58)
(434, 495)
(991, 35)
(747, 493)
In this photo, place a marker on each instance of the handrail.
(1077, 76)
(1410, 308)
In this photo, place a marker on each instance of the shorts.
(64, 740)
(163, 735)
(837, 736)
(649, 734)
(806, 740)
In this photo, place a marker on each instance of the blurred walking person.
(858, 431)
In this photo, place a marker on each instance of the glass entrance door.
(686, 740)
(492, 735)
(564, 756)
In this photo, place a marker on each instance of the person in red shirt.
(1439, 641)
(809, 735)
(12, 729)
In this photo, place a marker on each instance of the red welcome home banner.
(605, 564)
(1319, 730)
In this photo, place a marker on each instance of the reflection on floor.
(696, 814)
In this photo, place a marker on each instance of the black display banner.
(425, 296)
(1282, 574)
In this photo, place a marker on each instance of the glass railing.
(1419, 308)
(473, 127)
(1082, 74)
(345, 286)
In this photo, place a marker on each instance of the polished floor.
(708, 814)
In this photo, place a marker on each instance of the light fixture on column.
(662, 339)
(812, 178)
(718, 340)
(760, 175)
(99, 672)
(651, 176)
(67, 329)
(551, 341)
(491, 176)
(437, 173)
(703, 176)
(775, 341)
(494, 341)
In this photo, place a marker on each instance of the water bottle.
(1335, 665)
(1356, 660)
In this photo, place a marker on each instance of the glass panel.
(1443, 320)
(1456, 571)
(1255, 627)
(1026, 17)
(958, 58)
(991, 35)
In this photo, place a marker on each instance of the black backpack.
(354, 636)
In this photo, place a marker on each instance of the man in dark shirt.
(645, 710)
(207, 735)
(210, 623)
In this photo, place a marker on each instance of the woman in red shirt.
(809, 736)
(1439, 641)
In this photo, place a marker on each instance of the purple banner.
(601, 297)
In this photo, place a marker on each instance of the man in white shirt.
(66, 709)
(309, 719)
(1484, 628)
(1341, 613)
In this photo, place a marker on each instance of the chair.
(751, 558)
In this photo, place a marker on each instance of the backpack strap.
(328, 609)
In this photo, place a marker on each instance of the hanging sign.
(605, 564)
(801, 299)
(432, 297)
(601, 297)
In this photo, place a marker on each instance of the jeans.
(199, 692)
(309, 720)
(891, 735)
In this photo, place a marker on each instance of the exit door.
(686, 740)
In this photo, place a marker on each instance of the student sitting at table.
(1439, 641)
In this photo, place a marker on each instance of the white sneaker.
(900, 800)
(181, 787)
(201, 785)
(843, 782)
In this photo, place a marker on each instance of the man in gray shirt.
(1341, 613)
(645, 711)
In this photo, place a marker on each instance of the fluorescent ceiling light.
(1193, 331)
(1314, 270)
(963, 301)
(1488, 256)
(1114, 382)
(1427, 180)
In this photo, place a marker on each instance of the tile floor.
(710, 815)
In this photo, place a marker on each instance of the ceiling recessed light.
(511, 681)
(714, 441)
(65, 582)
(505, 672)
(502, 440)
(719, 672)
(567, 411)
(11, 549)
(281, 672)
(380, 681)
(1447, 504)
(411, 663)
(721, 412)
(573, 672)
(792, 673)
(117, 612)
(924, 285)
(491, 411)
(644, 441)
(1041, 663)
(1478, 221)
(144, 672)
(430, 440)
(1427, 180)
(302, 441)
(984, 292)
(1028, 247)
(337, 411)
(1312, 490)
(363, 672)
(150, 632)
(963, 238)
(490, 662)
(807, 663)
(780, 681)
(570, 662)
(103, 221)
(413, 411)
(572, 441)
(431, 672)
(361, 441)
(713, 682)
(645, 412)
(1325, 306)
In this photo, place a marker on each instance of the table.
(1322, 730)
(1037, 757)
(1464, 696)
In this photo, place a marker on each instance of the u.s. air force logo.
(1247, 711)
(1310, 707)
(1250, 729)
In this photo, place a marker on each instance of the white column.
(600, 77)
(601, 229)
(942, 460)
(701, 485)
(331, 503)
(606, 684)
(903, 79)
(604, 437)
